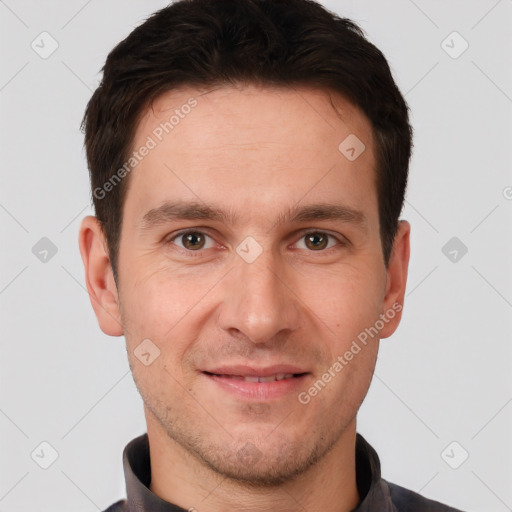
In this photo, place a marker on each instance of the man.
(248, 163)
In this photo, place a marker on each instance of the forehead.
(253, 147)
(245, 113)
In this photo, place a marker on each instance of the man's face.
(259, 292)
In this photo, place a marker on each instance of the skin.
(257, 152)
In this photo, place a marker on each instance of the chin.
(263, 467)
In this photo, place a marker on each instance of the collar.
(137, 470)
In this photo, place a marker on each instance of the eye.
(196, 241)
(318, 241)
(192, 241)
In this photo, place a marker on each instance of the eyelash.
(200, 252)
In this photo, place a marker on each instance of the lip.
(222, 377)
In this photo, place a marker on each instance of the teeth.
(270, 378)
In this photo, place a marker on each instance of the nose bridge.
(257, 303)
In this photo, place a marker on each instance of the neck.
(181, 479)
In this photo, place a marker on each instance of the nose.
(257, 300)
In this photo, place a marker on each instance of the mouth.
(258, 378)
(263, 384)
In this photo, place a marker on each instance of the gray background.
(443, 377)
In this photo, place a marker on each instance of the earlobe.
(396, 279)
(99, 277)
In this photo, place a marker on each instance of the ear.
(99, 277)
(396, 279)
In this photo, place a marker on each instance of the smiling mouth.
(255, 378)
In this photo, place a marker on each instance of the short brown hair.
(220, 42)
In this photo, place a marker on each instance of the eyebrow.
(180, 210)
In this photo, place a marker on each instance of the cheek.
(165, 306)
(157, 297)
(156, 310)
(347, 299)
(341, 389)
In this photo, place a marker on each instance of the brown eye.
(193, 240)
(316, 241)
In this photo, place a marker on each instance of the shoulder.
(118, 506)
(409, 501)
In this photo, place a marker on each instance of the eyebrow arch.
(180, 210)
